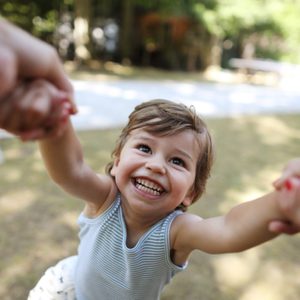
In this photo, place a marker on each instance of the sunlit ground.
(38, 221)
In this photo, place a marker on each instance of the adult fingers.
(10, 118)
(34, 59)
(53, 126)
(7, 71)
(291, 169)
(49, 68)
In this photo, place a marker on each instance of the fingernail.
(65, 116)
(288, 185)
(68, 108)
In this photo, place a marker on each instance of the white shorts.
(57, 282)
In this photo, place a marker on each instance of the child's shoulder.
(184, 220)
(179, 236)
(94, 209)
(181, 225)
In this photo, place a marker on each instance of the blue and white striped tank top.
(108, 270)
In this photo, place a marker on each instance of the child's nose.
(156, 164)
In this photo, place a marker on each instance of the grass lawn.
(38, 221)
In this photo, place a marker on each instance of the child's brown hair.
(162, 118)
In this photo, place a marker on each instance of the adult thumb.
(8, 71)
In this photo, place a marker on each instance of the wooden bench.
(251, 67)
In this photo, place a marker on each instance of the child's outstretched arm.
(38, 110)
(243, 227)
(63, 158)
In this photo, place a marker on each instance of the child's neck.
(136, 225)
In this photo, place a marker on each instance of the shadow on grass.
(38, 221)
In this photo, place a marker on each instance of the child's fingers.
(289, 200)
(281, 182)
(291, 169)
(40, 102)
(73, 106)
(59, 119)
(53, 126)
(283, 227)
(10, 117)
(278, 183)
(31, 135)
(23, 109)
(37, 106)
(34, 110)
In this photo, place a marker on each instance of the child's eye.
(144, 148)
(178, 161)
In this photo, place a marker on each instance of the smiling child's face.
(155, 174)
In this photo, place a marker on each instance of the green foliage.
(38, 17)
(20, 13)
(208, 17)
(286, 14)
(275, 24)
(175, 7)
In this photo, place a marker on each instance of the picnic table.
(253, 66)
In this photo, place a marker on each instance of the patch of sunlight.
(37, 154)
(13, 175)
(101, 170)
(69, 219)
(236, 270)
(267, 176)
(55, 251)
(270, 283)
(265, 179)
(13, 153)
(16, 201)
(38, 166)
(215, 73)
(256, 291)
(17, 266)
(235, 197)
(117, 68)
(274, 131)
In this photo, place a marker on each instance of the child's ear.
(188, 200)
(114, 167)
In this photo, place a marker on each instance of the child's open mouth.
(148, 186)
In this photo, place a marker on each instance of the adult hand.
(289, 202)
(23, 56)
(35, 110)
(291, 169)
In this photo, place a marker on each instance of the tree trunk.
(81, 30)
(126, 30)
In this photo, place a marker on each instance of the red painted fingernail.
(68, 108)
(288, 184)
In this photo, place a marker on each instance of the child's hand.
(291, 169)
(35, 110)
(289, 203)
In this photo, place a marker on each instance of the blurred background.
(247, 51)
(171, 34)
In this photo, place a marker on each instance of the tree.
(82, 22)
